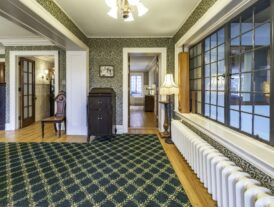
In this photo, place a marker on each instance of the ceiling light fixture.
(126, 9)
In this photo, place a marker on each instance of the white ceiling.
(141, 63)
(163, 19)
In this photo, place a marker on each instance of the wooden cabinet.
(101, 112)
(149, 104)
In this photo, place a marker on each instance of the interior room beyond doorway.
(143, 90)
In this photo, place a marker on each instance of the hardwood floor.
(141, 119)
(193, 187)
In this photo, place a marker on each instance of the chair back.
(60, 104)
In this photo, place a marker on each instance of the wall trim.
(162, 71)
(120, 129)
(13, 83)
(25, 41)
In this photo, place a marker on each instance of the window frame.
(252, 92)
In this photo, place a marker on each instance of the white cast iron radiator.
(229, 185)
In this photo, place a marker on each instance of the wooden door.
(27, 89)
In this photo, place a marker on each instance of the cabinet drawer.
(100, 102)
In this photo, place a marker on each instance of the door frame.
(162, 51)
(14, 81)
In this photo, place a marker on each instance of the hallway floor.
(141, 119)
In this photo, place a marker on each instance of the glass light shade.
(130, 18)
(113, 12)
(46, 72)
(142, 10)
(111, 3)
(169, 87)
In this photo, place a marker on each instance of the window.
(136, 85)
(236, 66)
(196, 77)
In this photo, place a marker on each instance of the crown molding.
(25, 41)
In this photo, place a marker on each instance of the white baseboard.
(8, 127)
(120, 129)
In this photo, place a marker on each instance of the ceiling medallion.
(126, 9)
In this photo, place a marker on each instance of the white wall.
(77, 91)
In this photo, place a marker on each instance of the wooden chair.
(60, 115)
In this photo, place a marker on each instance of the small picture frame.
(106, 71)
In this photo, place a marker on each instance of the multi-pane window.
(136, 85)
(196, 77)
(249, 69)
(236, 72)
(214, 82)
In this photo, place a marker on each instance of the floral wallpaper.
(62, 68)
(109, 51)
(58, 13)
(199, 11)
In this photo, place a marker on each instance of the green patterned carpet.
(130, 170)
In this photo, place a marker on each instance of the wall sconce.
(45, 75)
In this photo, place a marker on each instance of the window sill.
(255, 152)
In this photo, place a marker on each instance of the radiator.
(228, 184)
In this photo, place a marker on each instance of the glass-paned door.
(27, 83)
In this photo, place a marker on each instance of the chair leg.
(65, 123)
(59, 126)
(42, 126)
(55, 128)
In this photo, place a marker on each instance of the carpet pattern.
(129, 170)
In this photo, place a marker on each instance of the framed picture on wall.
(106, 71)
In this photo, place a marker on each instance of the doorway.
(143, 90)
(36, 89)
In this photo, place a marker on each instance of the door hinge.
(19, 89)
(19, 118)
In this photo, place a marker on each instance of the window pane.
(25, 100)
(246, 102)
(235, 46)
(261, 104)
(213, 112)
(198, 72)
(213, 98)
(262, 81)
(221, 67)
(246, 123)
(207, 110)
(247, 21)
(221, 83)
(221, 52)
(262, 35)
(235, 28)
(213, 40)
(25, 66)
(246, 82)
(234, 101)
(247, 40)
(213, 83)
(235, 64)
(26, 112)
(221, 99)
(235, 83)
(261, 127)
(234, 119)
(199, 96)
(207, 57)
(221, 36)
(262, 58)
(207, 83)
(221, 116)
(213, 55)
(207, 43)
(247, 60)
(213, 69)
(207, 96)
(207, 70)
(30, 111)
